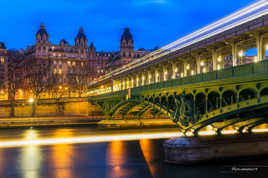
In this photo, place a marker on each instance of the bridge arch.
(200, 103)
(228, 97)
(213, 100)
(264, 92)
(247, 94)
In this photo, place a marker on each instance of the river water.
(112, 159)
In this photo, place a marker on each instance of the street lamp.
(187, 67)
(255, 59)
(31, 100)
(219, 59)
(219, 67)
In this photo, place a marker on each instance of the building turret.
(2, 45)
(126, 44)
(42, 41)
(91, 51)
(81, 39)
(42, 35)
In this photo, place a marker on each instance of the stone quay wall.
(51, 107)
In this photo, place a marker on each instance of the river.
(141, 158)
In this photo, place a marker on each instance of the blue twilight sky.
(152, 22)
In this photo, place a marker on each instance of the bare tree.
(78, 80)
(14, 78)
(39, 80)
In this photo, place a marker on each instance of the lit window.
(2, 60)
(73, 63)
(60, 71)
(69, 62)
(55, 71)
(82, 64)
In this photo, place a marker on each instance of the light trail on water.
(91, 139)
(30, 141)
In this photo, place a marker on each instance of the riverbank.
(83, 120)
(47, 121)
(135, 123)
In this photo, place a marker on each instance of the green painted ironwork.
(220, 99)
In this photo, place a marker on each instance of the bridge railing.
(232, 72)
(238, 71)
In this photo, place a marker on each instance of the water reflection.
(62, 156)
(31, 156)
(2, 161)
(116, 157)
(149, 153)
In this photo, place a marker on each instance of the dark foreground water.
(115, 159)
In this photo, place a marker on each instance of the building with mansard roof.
(72, 64)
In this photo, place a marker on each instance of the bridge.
(215, 77)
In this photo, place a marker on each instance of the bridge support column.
(149, 77)
(260, 47)
(156, 76)
(206, 109)
(198, 67)
(185, 69)
(165, 73)
(174, 70)
(143, 78)
(187, 150)
(137, 80)
(234, 53)
(132, 81)
(214, 59)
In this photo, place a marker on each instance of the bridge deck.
(253, 71)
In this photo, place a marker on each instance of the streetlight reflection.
(31, 157)
(62, 156)
(149, 154)
(116, 157)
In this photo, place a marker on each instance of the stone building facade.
(67, 67)
(3, 71)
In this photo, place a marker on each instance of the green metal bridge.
(236, 96)
(216, 76)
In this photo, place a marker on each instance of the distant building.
(73, 65)
(126, 53)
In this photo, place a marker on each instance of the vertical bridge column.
(156, 75)
(143, 78)
(197, 57)
(174, 70)
(260, 47)
(214, 59)
(137, 80)
(165, 72)
(149, 77)
(234, 53)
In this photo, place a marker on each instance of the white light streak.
(206, 32)
(92, 139)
